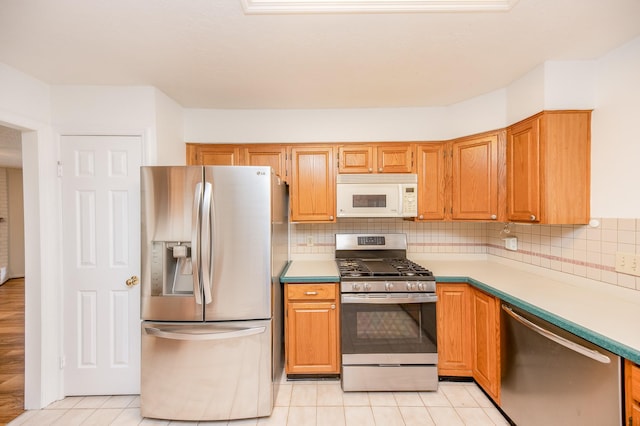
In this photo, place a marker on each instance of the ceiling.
(210, 54)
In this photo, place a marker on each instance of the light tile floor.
(300, 403)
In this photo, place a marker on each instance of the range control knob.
(367, 286)
(355, 287)
(422, 286)
(388, 286)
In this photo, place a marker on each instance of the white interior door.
(101, 243)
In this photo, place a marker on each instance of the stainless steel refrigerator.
(214, 242)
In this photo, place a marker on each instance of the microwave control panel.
(409, 200)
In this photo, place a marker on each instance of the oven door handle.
(389, 299)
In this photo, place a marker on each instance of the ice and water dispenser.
(171, 268)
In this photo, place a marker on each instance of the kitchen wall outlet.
(511, 243)
(628, 263)
(309, 240)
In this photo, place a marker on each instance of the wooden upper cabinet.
(431, 170)
(548, 168)
(474, 178)
(356, 159)
(312, 186)
(395, 158)
(376, 158)
(266, 155)
(213, 155)
(239, 155)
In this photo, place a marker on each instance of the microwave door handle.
(207, 244)
(195, 242)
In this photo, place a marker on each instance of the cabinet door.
(266, 155)
(632, 392)
(431, 168)
(213, 155)
(475, 178)
(311, 338)
(486, 343)
(395, 158)
(312, 186)
(454, 334)
(356, 159)
(523, 171)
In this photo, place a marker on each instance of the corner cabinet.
(486, 342)
(311, 329)
(632, 393)
(548, 168)
(312, 184)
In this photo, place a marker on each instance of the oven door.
(389, 329)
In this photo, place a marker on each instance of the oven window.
(369, 200)
(393, 328)
(396, 324)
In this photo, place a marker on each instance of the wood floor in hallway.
(11, 349)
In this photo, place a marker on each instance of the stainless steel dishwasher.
(552, 377)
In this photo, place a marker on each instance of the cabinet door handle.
(330, 217)
(310, 293)
(494, 217)
(333, 306)
(533, 217)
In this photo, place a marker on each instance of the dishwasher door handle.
(590, 353)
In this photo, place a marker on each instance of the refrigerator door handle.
(207, 230)
(195, 242)
(198, 335)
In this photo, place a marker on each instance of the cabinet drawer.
(635, 382)
(311, 291)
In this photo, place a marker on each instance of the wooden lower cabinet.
(486, 342)
(453, 311)
(468, 323)
(632, 392)
(311, 329)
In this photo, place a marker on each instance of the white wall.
(169, 131)
(615, 148)
(324, 125)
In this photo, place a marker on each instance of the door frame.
(43, 259)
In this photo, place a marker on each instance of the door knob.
(133, 281)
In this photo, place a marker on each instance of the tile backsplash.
(580, 250)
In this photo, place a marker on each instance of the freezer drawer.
(206, 371)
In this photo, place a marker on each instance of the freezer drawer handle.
(220, 335)
(590, 353)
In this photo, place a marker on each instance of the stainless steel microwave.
(377, 195)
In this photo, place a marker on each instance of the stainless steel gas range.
(388, 316)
